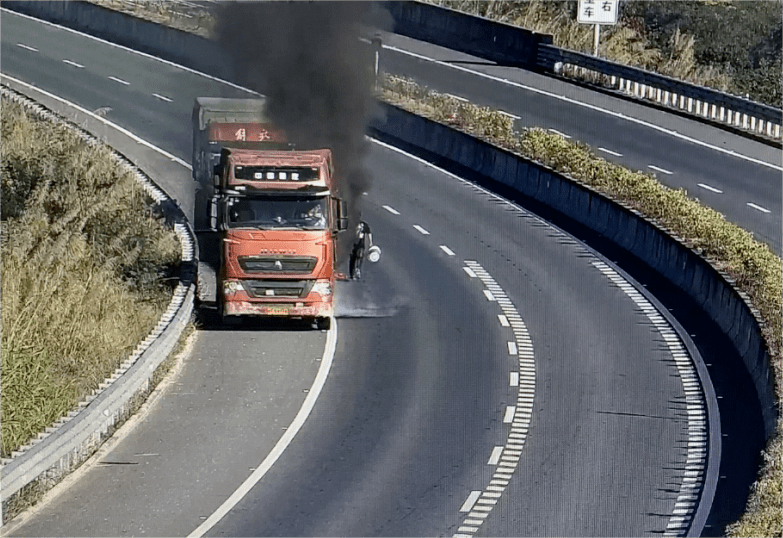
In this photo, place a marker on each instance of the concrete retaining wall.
(685, 268)
(497, 42)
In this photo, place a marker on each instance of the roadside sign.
(597, 11)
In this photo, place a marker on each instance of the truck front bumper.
(247, 308)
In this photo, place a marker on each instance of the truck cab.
(278, 216)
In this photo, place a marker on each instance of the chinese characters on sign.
(597, 11)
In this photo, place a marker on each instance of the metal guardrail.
(74, 437)
(700, 101)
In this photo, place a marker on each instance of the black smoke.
(307, 59)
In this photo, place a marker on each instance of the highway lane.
(699, 169)
(591, 346)
(576, 318)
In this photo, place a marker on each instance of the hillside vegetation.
(733, 46)
(84, 270)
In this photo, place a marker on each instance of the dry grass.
(755, 268)
(624, 44)
(84, 269)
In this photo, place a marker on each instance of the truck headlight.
(231, 286)
(322, 288)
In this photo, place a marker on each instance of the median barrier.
(642, 238)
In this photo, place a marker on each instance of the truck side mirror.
(213, 213)
(342, 215)
(216, 175)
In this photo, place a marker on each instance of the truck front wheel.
(323, 324)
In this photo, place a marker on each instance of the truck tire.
(323, 324)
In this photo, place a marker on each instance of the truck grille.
(264, 289)
(277, 264)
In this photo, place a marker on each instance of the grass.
(755, 268)
(84, 270)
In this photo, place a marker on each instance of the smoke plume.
(306, 58)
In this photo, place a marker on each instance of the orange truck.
(276, 210)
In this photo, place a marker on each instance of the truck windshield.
(307, 213)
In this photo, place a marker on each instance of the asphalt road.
(687, 154)
(418, 393)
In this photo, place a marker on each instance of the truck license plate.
(278, 310)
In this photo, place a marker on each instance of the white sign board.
(597, 11)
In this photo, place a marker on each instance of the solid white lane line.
(102, 120)
(488, 295)
(595, 108)
(285, 440)
(508, 418)
(713, 189)
(391, 210)
(162, 97)
(421, 230)
(470, 272)
(115, 79)
(70, 62)
(559, 133)
(503, 320)
(447, 250)
(610, 152)
(494, 458)
(26, 47)
(467, 506)
(661, 170)
(759, 208)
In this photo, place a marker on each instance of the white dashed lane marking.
(162, 97)
(661, 170)
(759, 208)
(610, 152)
(517, 417)
(488, 294)
(467, 506)
(115, 79)
(447, 250)
(709, 188)
(421, 230)
(71, 62)
(27, 47)
(391, 210)
(694, 468)
(559, 133)
(494, 458)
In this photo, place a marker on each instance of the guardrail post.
(744, 121)
(753, 123)
(722, 114)
(777, 131)
(690, 104)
